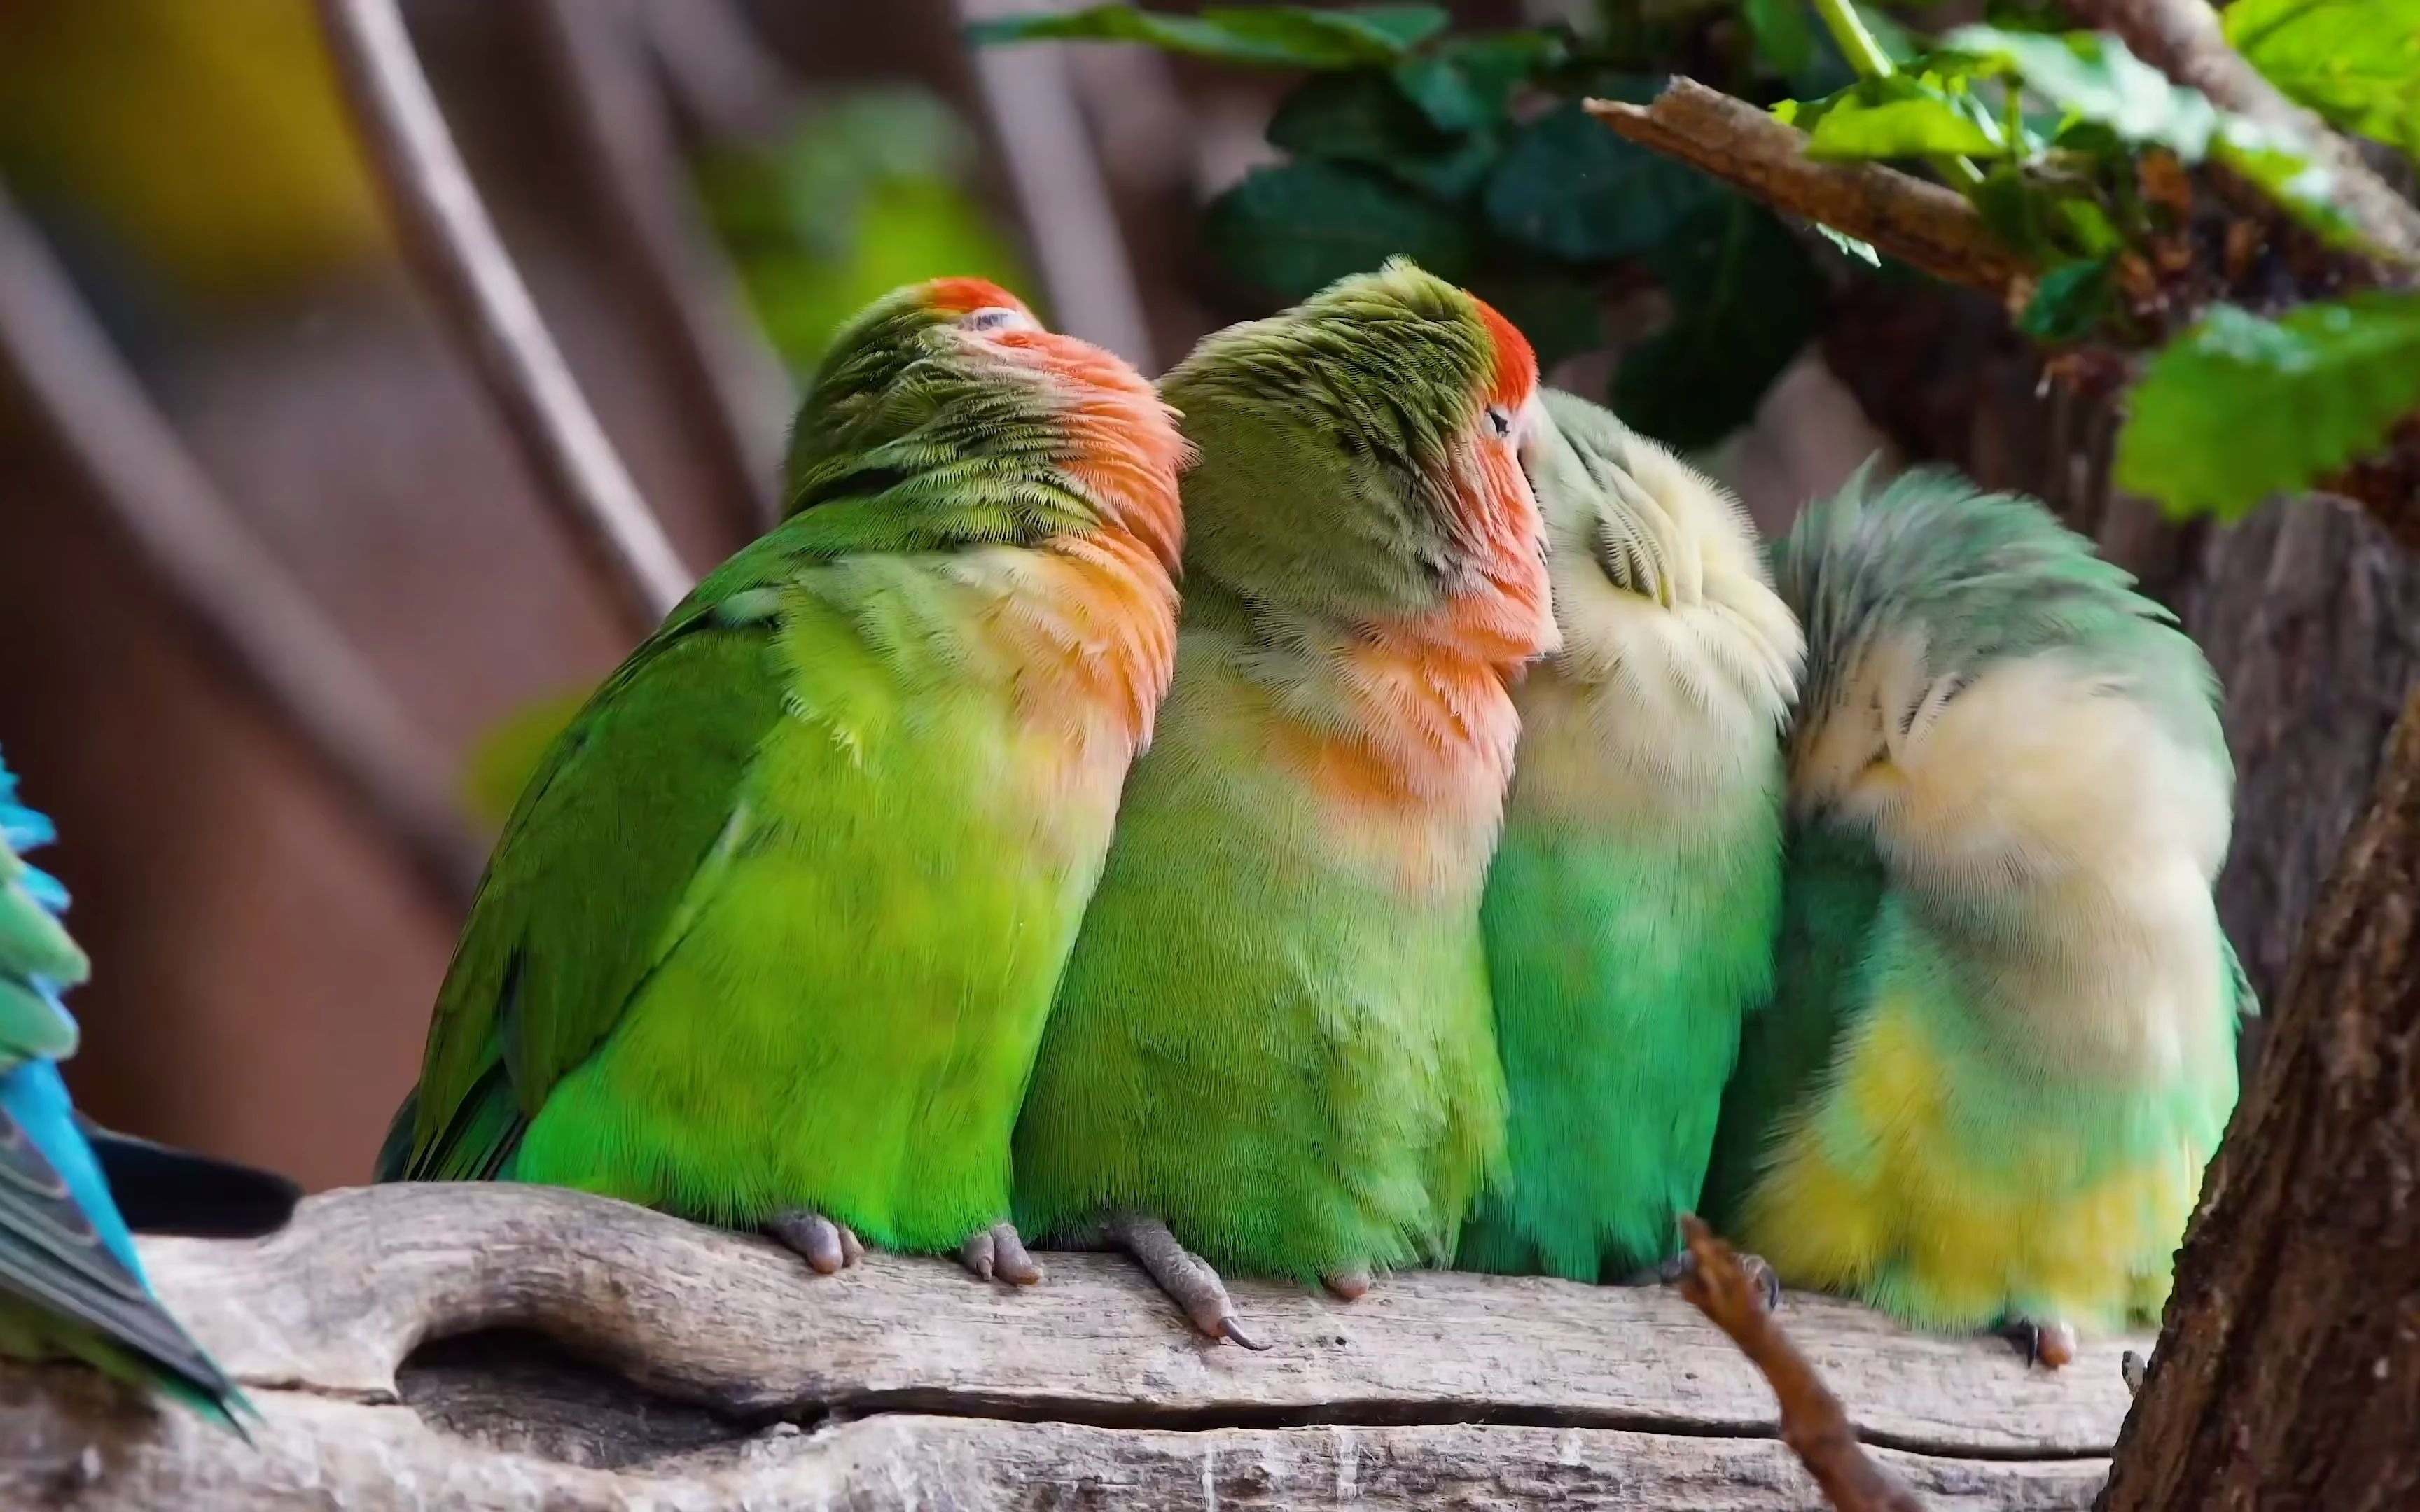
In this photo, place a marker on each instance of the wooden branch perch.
(1813, 1423)
(728, 376)
(2183, 39)
(686, 1362)
(1920, 224)
(463, 266)
(264, 626)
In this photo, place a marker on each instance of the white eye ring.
(997, 317)
(1499, 420)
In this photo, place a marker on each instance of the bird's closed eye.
(1499, 421)
(996, 317)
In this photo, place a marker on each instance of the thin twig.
(728, 85)
(467, 272)
(1062, 199)
(266, 628)
(1813, 1423)
(728, 375)
(1922, 224)
(2183, 39)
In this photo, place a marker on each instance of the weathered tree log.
(480, 1346)
(2290, 1372)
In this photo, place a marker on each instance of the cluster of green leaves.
(2053, 127)
(865, 193)
(1470, 153)
(2356, 62)
(2239, 407)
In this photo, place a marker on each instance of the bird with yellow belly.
(2002, 1045)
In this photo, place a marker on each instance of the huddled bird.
(70, 1283)
(1631, 909)
(2003, 1043)
(770, 936)
(1272, 1053)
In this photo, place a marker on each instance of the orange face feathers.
(1514, 378)
(964, 296)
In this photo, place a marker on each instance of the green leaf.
(2278, 164)
(1785, 41)
(1293, 229)
(2069, 302)
(1572, 188)
(1284, 36)
(1467, 82)
(2092, 77)
(1362, 118)
(1924, 126)
(2239, 408)
(2356, 62)
(1746, 300)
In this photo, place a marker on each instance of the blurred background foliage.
(867, 192)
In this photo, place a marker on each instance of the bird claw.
(827, 1247)
(998, 1253)
(1347, 1286)
(1188, 1279)
(2049, 1344)
(1670, 1273)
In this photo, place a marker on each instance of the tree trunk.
(2289, 1373)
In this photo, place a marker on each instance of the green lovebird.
(1273, 1043)
(769, 938)
(2002, 1045)
(70, 1283)
(1631, 910)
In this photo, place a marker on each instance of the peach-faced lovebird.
(2002, 1045)
(71, 1285)
(1273, 1043)
(1631, 909)
(769, 938)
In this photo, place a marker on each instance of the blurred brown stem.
(80, 396)
(466, 272)
(728, 85)
(726, 374)
(1813, 1423)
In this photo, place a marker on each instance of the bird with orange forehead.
(1273, 1052)
(769, 939)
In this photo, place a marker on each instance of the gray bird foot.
(1671, 1270)
(2049, 1344)
(827, 1246)
(1184, 1275)
(1348, 1286)
(998, 1253)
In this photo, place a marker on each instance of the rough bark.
(593, 1354)
(2288, 1374)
